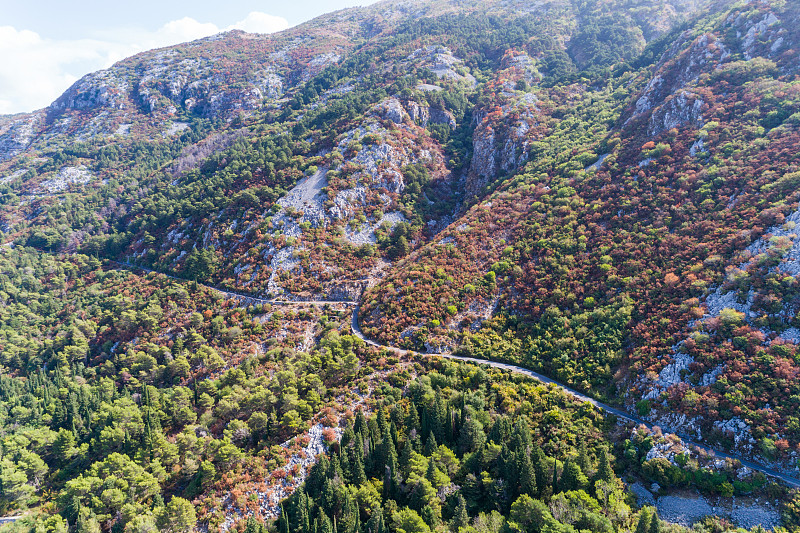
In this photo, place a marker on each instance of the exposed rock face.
(425, 115)
(105, 88)
(66, 176)
(441, 61)
(167, 80)
(392, 109)
(663, 98)
(484, 159)
(683, 109)
(501, 145)
(170, 83)
(16, 134)
(760, 34)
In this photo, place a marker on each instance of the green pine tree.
(460, 516)
(604, 470)
(430, 445)
(655, 523)
(572, 478)
(643, 525)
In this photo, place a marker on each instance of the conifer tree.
(375, 523)
(604, 470)
(554, 484)
(572, 478)
(522, 438)
(460, 515)
(429, 516)
(655, 523)
(360, 424)
(430, 474)
(390, 475)
(583, 457)
(430, 445)
(412, 419)
(283, 521)
(527, 476)
(359, 477)
(509, 470)
(540, 468)
(252, 526)
(643, 525)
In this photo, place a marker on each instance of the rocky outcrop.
(441, 61)
(425, 115)
(392, 109)
(16, 134)
(500, 144)
(663, 98)
(683, 109)
(760, 34)
(106, 88)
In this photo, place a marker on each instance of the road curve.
(236, 295)
(789, 480)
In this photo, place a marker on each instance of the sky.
(45, 46)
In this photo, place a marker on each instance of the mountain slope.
(610, 245)
(605, 192)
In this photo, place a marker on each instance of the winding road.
(789, 480)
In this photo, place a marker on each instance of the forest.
(602, 191)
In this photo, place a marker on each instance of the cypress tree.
(301, 511)
(554, 484)
(359, 477)
(358, 446)
(540, 468)
(381, 420)
(283, 522)
(346, 464)
(390, 475)
(375, 522)
(252, 526)
(430, 474)
(360, 425)
(527, 476)
(501, 430)
(405, 456)
(439, 413)
(429, 516)
(394, 434)
(335, 468)
(387, 446)
(348, 438)
(324, 523)
(509, 470)
(583, 458)
(522, 438)
(449, 425)
(412, 420)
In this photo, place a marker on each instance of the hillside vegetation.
(604, 191)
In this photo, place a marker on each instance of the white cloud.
(257, 22)
(35, 70)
